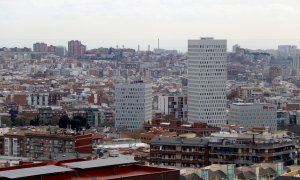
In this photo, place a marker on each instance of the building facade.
(250, 147)
(40, 47)
(76, 49)
(174, 105)
(249, 115)
(133, 105)
(36, 144)
(179, 152)
(207, 74)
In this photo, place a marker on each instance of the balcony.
(38, 151)
(270, 154)
(155, 158)
(164, 150)
(241, 161)
(217, 160)
(193, 152)
(187, 160)
(36, 143)
(69, 145)
(254, 146)
(57, 145)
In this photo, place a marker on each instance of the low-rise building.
(174, 105)
(36, 143)
(249, 115)
(231, 146)
(179, 152)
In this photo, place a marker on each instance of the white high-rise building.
(133, 105)
(207, 74)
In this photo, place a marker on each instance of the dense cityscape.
(201, 112)
(152, 90)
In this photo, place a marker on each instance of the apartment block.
(179, 152)
(35, 143)
(174, 105)
(246, 148)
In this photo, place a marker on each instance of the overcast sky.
(253, 24)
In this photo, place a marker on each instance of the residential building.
(40, 47)
(249, 115)
(286, 51)
(38, 99)
(234, 146)
(179, 152)
(39, 143)
(45, 144)
(76, 49)
(207, 74)
(174, 105)
(133, 105)
(51, 49)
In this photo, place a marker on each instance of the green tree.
(64, 121)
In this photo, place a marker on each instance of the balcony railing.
(36, 143)
(256, 145)
(57, 145)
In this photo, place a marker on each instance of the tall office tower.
(40, 47)
(133, 105)
(75, 48)
(207, 74)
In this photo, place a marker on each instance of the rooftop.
(100, 163)
(33, 171)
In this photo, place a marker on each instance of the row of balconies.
(254, 146)
(259, 154)
(234, 161)
(173, 159)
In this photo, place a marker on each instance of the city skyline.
(255, 25)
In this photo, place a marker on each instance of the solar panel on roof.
(33, 171)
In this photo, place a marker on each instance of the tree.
(13, 115)
(78, 122)
(64, 121)
(32, 123)
(6, 121)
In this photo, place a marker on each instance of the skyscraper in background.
(207, 74)
(75, 48)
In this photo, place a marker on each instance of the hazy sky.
(250, 23)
